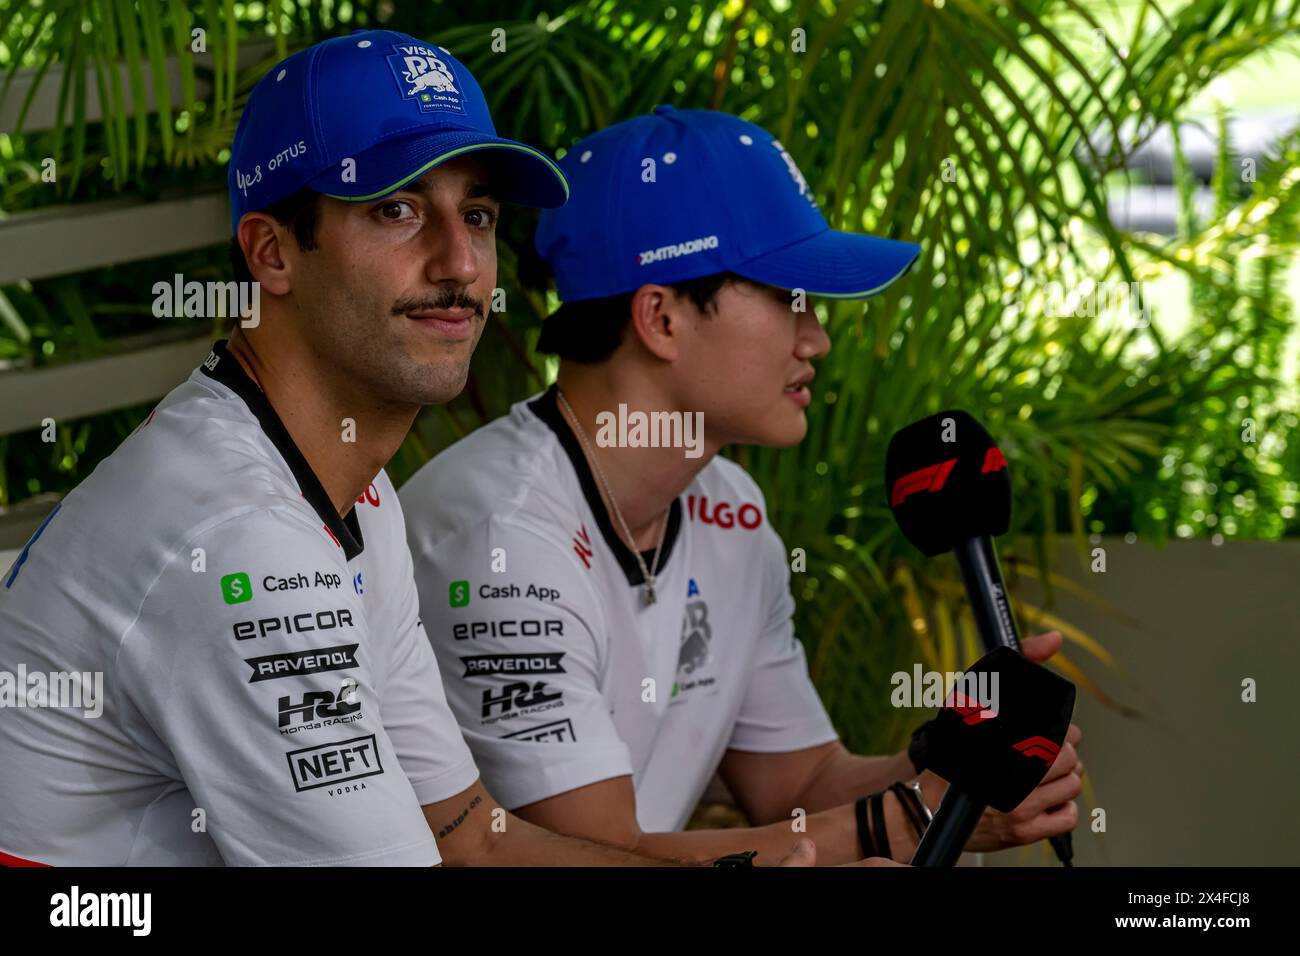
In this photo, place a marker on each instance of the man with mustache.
(609, 604)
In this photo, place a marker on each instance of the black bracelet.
(918, 749)
(878, 824)
(737, 859)
(911, 805)
(865, 843)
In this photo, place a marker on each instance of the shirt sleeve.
(781, 710)
(418, 720)
(522, 651)
(253, 663)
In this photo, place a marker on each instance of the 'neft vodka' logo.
(74, 908)
(327, 765)
(558, 731)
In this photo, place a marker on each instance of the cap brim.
(840, 265)
(524, 175)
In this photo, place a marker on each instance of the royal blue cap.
(394, 105)
(681, 194)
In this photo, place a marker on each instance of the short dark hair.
(590, 331)
(298, 211)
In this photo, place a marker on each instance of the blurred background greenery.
(996, 133)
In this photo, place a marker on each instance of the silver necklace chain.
(647, 574)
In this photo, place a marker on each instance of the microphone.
(994, 740)
(950, 490)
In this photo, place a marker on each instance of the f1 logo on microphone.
(933, 477)
(970, 710)
(994, 460)
(1039, 747)
(930, 478)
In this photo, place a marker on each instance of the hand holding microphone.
(949, 490)
(994, 741)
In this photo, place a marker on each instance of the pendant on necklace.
(649, 592)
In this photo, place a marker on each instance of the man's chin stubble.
(441, 384)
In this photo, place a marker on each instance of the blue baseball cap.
(392, 105)
(681, 194)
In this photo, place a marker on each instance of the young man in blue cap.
(608, 602)
(236, 573)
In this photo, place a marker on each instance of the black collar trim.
(547, 408)
(225, 368)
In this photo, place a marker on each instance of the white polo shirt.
(558, 672)
(269, 696)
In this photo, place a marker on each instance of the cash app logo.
(236, 588)
(459, 593)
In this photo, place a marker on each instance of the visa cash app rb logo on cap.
(425, 77)
(236, 588)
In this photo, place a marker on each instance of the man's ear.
(260, 236)
(657, 320)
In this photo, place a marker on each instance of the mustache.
(448, 299)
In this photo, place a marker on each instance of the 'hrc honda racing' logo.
(425, 77)
(520, 697)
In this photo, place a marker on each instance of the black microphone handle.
(982, 575)
(946, 836)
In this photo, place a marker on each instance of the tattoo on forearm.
(460, 819)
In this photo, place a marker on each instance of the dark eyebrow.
(475, 190)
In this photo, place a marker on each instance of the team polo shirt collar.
(225, 368)
(546, 407)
